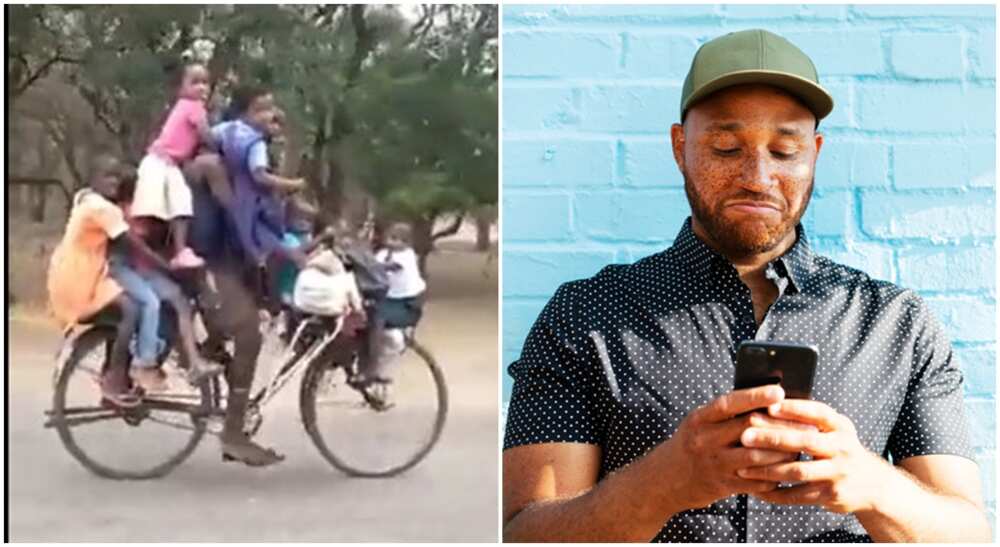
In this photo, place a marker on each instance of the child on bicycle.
(145, 276)
(401, 308)
(258, 194)
(161, 191)
(84, 277)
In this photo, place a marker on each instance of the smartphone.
(793, 366)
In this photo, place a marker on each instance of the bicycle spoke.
(83, 420)
(176, 425)
(79, 410)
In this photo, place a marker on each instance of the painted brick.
(657, 56)
(518, 317)
(947, 268)
(524, 14)
(965, 319)
(630, 108)
(835, 52)
(557, 162)
(828, 214)
(638, 13)
(899, 11)
(817, 12)
(539, 272)
(651, 164)
(631, 216)
(982, 419)
(979, 371)
(889, 215)
(759, 11)
(560, 54)
(988, 471)
(982, 164)
(927, 55)
(924, 108)
(942, 165)
(843, 106)
(984, 54)
(535, 108)
(543, 217)
(847, 164)
(875, 260)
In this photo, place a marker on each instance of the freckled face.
(748, 156)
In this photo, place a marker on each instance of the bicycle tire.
(307, 409)
(84, 344)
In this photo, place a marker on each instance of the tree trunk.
(39, 193)
(423, 242)
(484, 221)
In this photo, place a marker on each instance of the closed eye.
(726, 151)
(783, 155)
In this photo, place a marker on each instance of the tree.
(387, 108)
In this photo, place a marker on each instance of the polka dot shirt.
(619, 359)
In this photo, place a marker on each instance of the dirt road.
(450, 496)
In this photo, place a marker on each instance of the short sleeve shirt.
(78, 281)
(256, 155)
(178, 139)
(619, 359)
(405, 282)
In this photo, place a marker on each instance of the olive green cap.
(754, 57)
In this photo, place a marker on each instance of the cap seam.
(761, 56)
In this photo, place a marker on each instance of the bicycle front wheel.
(144, 442)
(365, 441)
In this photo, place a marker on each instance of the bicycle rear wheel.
(362, 441)
(144, 442)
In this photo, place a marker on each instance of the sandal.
(129, 398)
(247, 452)
(202, 372)
(151, 380)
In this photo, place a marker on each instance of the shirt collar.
(797, 264)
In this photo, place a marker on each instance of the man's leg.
(238, 317)
(209, 169)
(170, 292)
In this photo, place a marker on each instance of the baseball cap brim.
(814, 97)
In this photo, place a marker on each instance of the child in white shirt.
(403, 304)
(401, 308)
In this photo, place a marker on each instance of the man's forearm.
(628, 505)
(911, 512)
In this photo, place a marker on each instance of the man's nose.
(758, 171)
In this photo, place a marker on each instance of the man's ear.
(677, 143)
(819, 142)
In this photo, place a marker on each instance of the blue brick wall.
(904, 184)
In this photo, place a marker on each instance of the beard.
(746, 237)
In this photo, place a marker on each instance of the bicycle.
(360, 443)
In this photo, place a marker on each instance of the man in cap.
(622, 423)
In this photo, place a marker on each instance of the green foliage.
(404, 105)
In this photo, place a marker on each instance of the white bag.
(321, 293)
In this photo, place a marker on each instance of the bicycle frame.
(292, 364)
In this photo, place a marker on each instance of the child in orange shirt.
(82, 281)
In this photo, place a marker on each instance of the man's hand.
(704, 454)
(294, 185)
(844, 476)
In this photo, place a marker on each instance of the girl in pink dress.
(161, 191)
